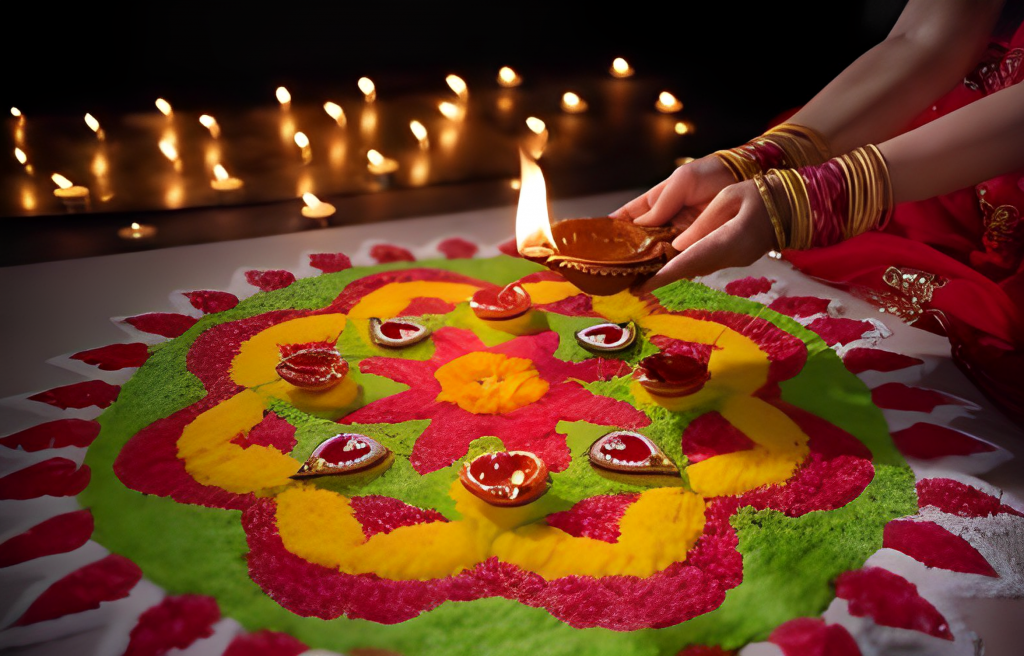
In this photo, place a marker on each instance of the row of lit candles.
(75, 196)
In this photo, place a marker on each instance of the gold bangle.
(773, 212)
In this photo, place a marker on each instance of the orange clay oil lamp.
(508, 303)
(345, 453)
(671, 374)
(628, 452)
(506, 478)
(601, 256)
(315, 367)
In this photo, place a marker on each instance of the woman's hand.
(680, 197)
(733, 230)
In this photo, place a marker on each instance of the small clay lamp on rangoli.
(601, 256)
(397, 333)
(314, 368)
(345, 453)
(506, 478)
(671, 374)
(512, 301)
(628, 452)
(607, 337)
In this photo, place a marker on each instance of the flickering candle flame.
(450, 110)
(16, 113)
(302, 141)
(458, 85)
(61, 181)
(420, 132)
(164, 107)
(368, 88)
(335, 111)
(136, 231)
(535, 124)
(621, 68)
(572, 103)
(20, 155)
(210, 124)
(533, 223)
(315, 208)
(380, 165)
(667, 103)
(170, 152)
(283, 96)
(508, 77)
(223, 181)
(682, 127)
(538, 143)
(74, 197)
(94, 125)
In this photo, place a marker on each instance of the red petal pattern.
(456, 247)
(800, 306)
(272, 431)
(897, 396)
(79, 395)
(84, 589)
(265, 643)
(810, 636)
(934, 546)
(749, 286)
(712, 435)
(385, 253)
(270, 279)
(838, 330)
(56, 477)
(419, 306)
(56, 535)
(509, 247)
(929, 441)
(379, 514)
(330, 262)
(890, 600)
(165, 324)
(209, 301)
(861, 359)
(115, 356)
(594, 517)
(174, 623)
(959, 499)
(54, 435)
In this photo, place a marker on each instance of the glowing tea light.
(621, 68)
(74, 197)
(682, 127)
(508, 77)
(450, 110)
(170, 152)
(94, 125)
(420, 132)
(164, 107)
(283, 96)
(315, 208)
(572, 103)
(380, 165)
(224, 182)
(667, 103)
(458, 85)
(137, 231)
(302, 141)
(540, 141)
(335, 111)
(20, 155)
(368, 88)
(210, 124)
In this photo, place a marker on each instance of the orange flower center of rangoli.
(490, 383)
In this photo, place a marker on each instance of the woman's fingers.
(641, 204)
(723, 208)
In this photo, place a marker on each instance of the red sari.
(952, 264)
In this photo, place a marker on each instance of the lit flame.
(61, 181)
(163, 106)
(420, 132)
(220, 172)
(168, 149)
(368, 88)
(458, 85)
(508, 77)
(301, 140)
(667, 103)
(621, 68)
(20, 155)
(450, 110)
(283, 96)
(375, 158)
(535, 124)
(682, 127)
(136, 226)
(572, 103)
(15, 112)
(93, 124)
(210, 124)
(335, 111)
(532, 221)
(311, 201)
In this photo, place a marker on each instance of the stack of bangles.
(784, 146)
(822, 205)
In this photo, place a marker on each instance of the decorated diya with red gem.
(671, 374)
(506, 478)
(630, 452)
(315, 368)
(397, 333)
(345, 453)
(508, 303)
(607, 337)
